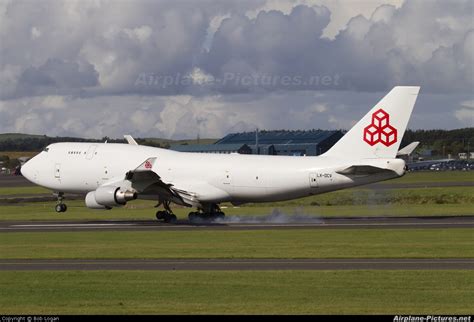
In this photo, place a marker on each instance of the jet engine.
(108, 197)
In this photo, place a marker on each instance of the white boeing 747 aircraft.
(114, 174)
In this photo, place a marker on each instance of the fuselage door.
(227, 177)
(57, 170)
(91, 152)
(313, 182)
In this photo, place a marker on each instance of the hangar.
(283, 142)
(213, 148)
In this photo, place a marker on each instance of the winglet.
(130, 139)
(147, 165)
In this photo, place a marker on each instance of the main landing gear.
(60, 206)
(167, 214)
(208, 214)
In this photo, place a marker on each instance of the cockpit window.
(46, 149)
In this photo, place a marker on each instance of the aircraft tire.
(160, 215)
(60, 207)
(192, 217)
(170, 218)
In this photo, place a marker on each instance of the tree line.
(442, 142)
(38, 143)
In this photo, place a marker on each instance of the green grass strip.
(296, 243)
(237, 292)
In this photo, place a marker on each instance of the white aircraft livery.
(113, 174)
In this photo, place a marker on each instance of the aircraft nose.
(27, 170)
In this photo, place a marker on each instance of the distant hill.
(17, 136)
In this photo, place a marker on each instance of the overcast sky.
(174, 69)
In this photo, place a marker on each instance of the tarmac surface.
(14, 181)
(236, 264)
(243, 223)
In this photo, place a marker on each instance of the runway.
(237, 264)
(244, 223)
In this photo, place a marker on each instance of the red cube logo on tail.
(148, 165)
(380, 130)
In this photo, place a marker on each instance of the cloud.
(465, 115)
(395, 46)
(175, 69)
(186, 116)
(101, 48)
(57, 76)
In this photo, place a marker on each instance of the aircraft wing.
(185, 192)
(146, 181)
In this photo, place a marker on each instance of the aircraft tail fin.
(379, 133)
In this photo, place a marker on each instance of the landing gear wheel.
(193, 217)
(172, 219)
(60, 207)
(205, 217)
(166, 217)
(160, 215)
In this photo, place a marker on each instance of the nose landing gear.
(60, 206)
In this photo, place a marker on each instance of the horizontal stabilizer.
(361, 170)
(408, 149)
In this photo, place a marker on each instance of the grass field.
(291, 243)
(248, 292)
(30, 190)
(145, 211)
(347, 203)
(433, 176)
(436, 176)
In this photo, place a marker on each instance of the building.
(213, 148)
(313, 142)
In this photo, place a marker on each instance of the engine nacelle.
(108, 197)
(92, 204)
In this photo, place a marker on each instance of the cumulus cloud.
(101, 48)
(186, 116)
(465, 114)
(392, 47)
(56, 76)
(175, 69)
